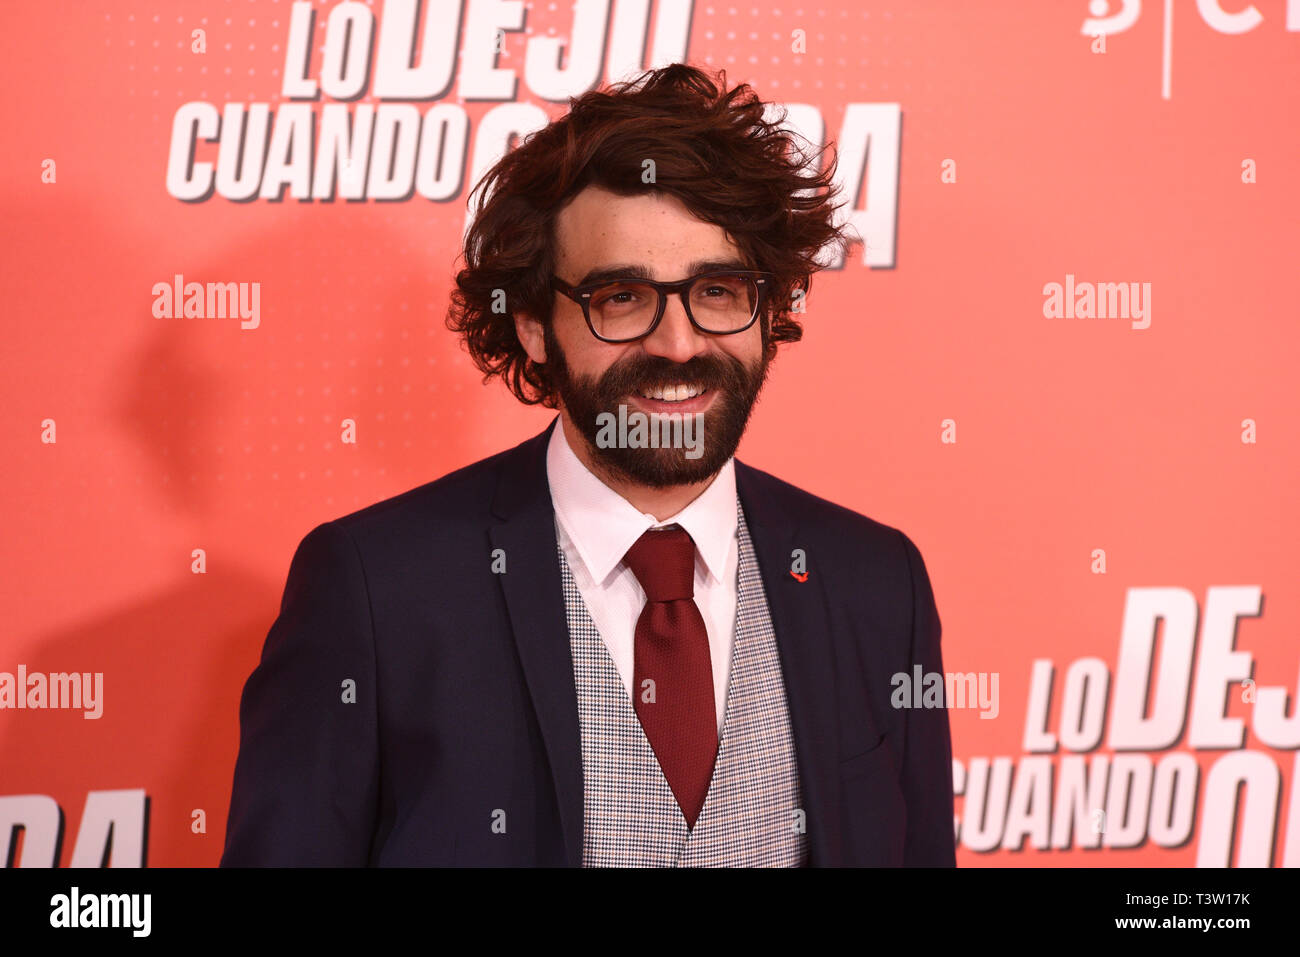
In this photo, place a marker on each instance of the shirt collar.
(603, 525)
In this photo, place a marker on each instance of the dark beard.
(737, 386)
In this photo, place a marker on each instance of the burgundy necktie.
(672, 678)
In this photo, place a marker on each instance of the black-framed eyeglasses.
(720, 302)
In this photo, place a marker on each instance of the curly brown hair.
(712, 149)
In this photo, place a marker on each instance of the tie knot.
(663, 561)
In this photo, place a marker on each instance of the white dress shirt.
(595, 526)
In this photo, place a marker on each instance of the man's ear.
(531, 337)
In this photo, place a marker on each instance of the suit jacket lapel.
(799, 617)
(535, 602)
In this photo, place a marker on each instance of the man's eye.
(618, 296)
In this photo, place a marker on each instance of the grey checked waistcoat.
(752, 813)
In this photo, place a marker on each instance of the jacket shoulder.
(458, 493)
(463, 497)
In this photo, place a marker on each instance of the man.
(595, 649)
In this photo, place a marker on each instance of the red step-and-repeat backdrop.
(1063, 362)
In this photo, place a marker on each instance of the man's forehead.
(600, 230)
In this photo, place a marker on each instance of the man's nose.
(675, 338)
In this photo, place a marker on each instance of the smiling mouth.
(674, 392)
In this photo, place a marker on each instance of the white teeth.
(673, 393)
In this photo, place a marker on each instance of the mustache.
(642, 372)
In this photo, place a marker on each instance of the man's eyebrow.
(640, 271)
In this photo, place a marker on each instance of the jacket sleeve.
(927, 756)
(307, 776)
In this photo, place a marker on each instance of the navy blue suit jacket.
(407, 695)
